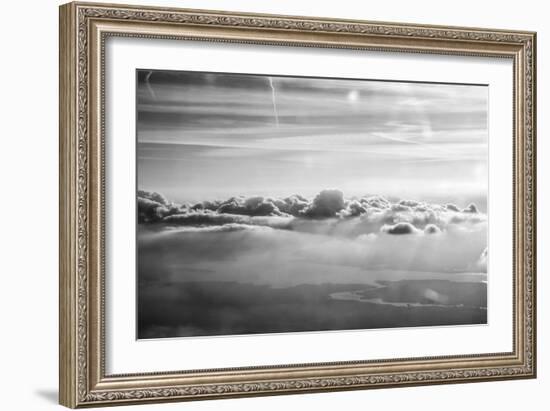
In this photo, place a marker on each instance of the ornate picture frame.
(84, 30)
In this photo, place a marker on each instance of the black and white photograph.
(281, 204)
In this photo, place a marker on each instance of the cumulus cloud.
(149, 210)
(326, 204)
(328, 213)
(400, 228)
(376, 202)
(353, 209)
(472, 208)
(432, 229)
(153, 207)
(253, 206)
(293, 205)
(206, 205)
(400, 207)
(452, 207)
(409, 203)
(153, 196)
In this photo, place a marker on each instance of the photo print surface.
(277, 204)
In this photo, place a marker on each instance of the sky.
(207, 136)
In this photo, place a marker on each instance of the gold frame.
(83, 30)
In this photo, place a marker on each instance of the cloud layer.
(329, 212)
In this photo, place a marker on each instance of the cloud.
(293, 205)
(467, 218)
(151, 211)
(432, 229)
(410, 203)
(400, 207)
(400, 228)
(353, 209)
(229, 227)
(326, 204)
(470, 209)
(209, 218)
(206, 205)
(452, 207)
(202, 218)
(153, 207)
(153, 196)
(376, 202)
(253, 206)
(263, 255)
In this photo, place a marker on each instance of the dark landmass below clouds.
(230, 308)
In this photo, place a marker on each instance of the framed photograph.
(260, 204)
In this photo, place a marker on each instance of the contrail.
(147, 77)
(274, 102)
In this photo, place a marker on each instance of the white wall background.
(28, 205)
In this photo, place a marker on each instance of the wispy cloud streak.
(273, 99)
